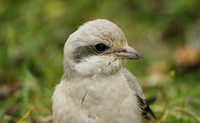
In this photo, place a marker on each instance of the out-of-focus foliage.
(166, 32)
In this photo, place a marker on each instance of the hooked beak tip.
(133, 54)
(129, 53)
(138, 55)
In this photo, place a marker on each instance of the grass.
(33, 33)
(26, 115)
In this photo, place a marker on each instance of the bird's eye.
(101, 47)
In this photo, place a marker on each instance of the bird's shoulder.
(135, 85)
(133, 82)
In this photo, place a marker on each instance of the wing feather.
(135, 85)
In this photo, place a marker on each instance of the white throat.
(98, 65)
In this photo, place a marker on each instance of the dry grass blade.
(26, 115)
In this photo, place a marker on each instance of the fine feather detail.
(146, 110)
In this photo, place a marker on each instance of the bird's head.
(97, 47)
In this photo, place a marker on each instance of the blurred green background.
(165, 32)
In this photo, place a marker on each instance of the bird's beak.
(128, 53)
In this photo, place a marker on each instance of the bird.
(95, 86)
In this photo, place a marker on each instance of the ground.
(166, 33)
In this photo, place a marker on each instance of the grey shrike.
(95, 87)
